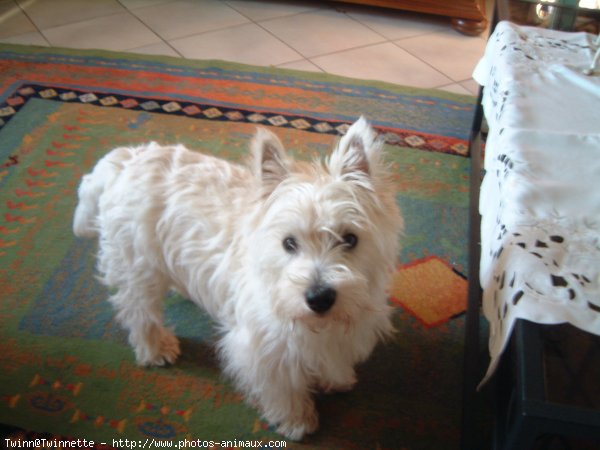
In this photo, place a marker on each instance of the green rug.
(65, 367)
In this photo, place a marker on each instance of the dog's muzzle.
(320, 298)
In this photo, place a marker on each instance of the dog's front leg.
(290, 409)
(270, 379)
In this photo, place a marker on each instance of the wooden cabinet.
(467, 16)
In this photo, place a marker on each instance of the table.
(533, 229)
(540, 229)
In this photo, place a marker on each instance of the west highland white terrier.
(292, 259)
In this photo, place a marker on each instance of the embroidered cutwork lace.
(540, 197)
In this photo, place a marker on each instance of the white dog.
(292, 260)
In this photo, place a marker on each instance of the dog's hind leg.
(139, 310)
(91, 189)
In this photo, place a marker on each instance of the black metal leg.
(472, 361)
(471, 364)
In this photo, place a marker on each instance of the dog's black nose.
(320, 298)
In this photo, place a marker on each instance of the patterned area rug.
(65, 367)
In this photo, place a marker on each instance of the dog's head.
(325, 237)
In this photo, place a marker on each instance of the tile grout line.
(164, 41)
(424, 62)
(393, 42)
(99, 16)
(259, 24)
(102, 16)
(39, 30)
(456, 83)
(310, 58)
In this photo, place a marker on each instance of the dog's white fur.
(170, 218)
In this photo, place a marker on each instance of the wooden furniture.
(467, 16)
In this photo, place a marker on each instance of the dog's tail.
(91, 188)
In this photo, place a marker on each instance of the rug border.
(230, 65)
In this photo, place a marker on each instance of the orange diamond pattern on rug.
(430, 290)
(414, 141)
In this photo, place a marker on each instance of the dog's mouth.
(320, 305)
(319, 321)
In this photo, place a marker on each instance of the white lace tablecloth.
(540, 196)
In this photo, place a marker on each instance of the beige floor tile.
(449, 52)
(320, 32)
(33, 38)
(47, 14)
(471, 86)
(248, 44)
(133, 4)
(398, 24)
(383, 62)
(455, 88)
(12, 20)
(183, 18)
(303, 64)
(262, 10)
(160, 48)
(116, 32)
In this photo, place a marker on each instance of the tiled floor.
(361, 42)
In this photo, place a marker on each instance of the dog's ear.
(357, 154)
(270, 161)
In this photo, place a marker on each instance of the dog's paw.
(332, 388)
(169, 348)
(164, 351)
(296, 430)
(342, 384)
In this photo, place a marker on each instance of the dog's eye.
(290, 245)
(350, 240)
